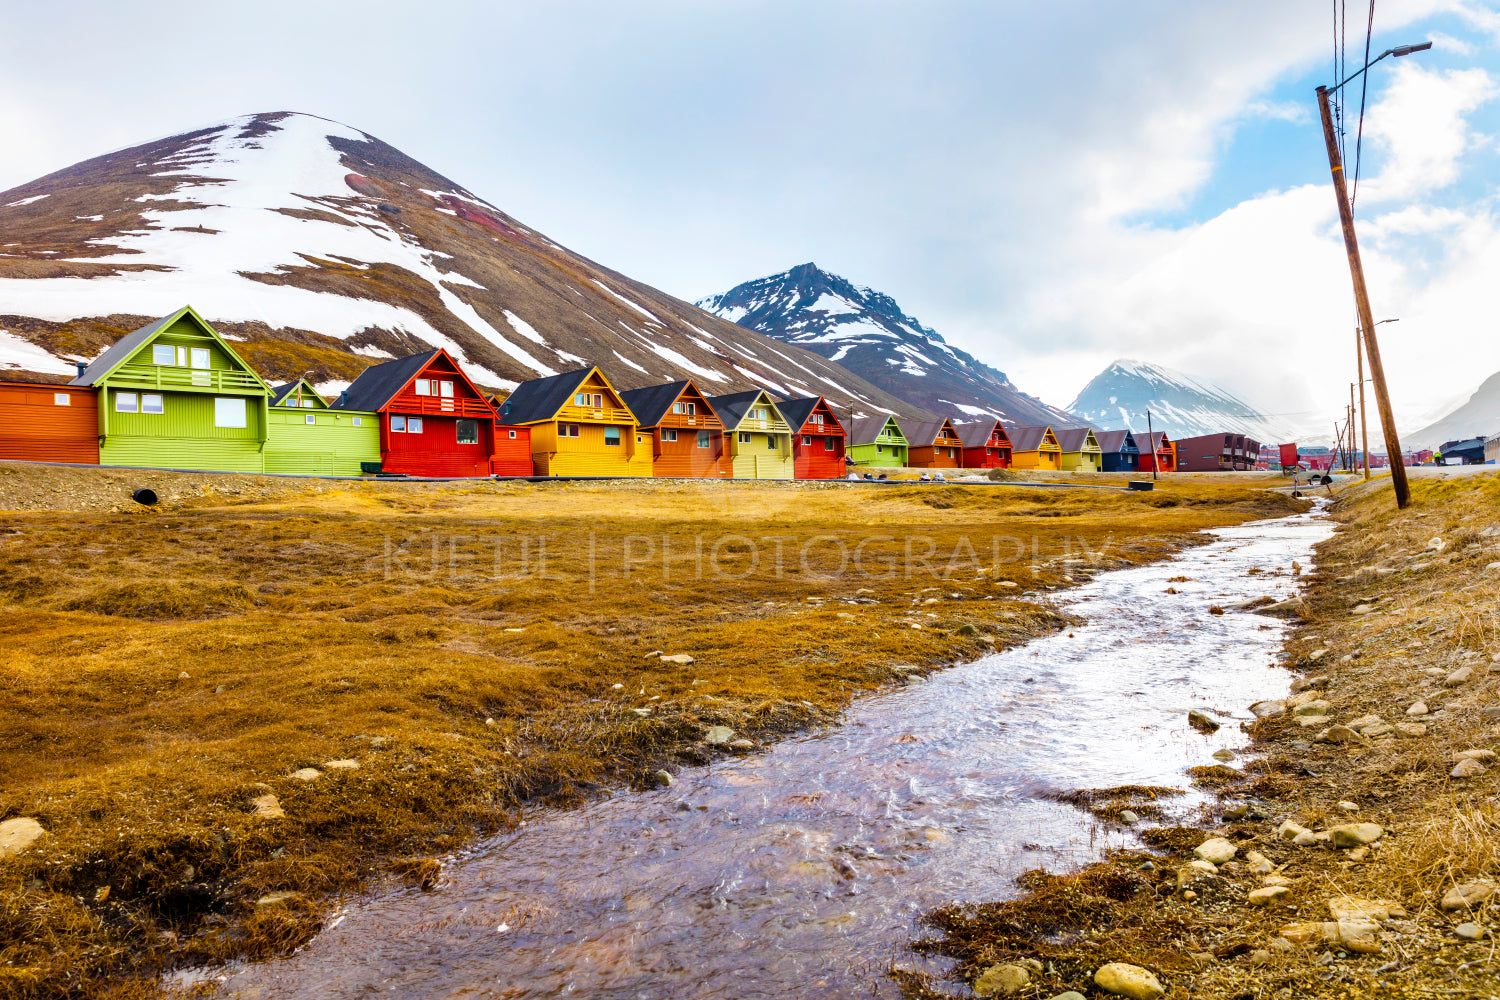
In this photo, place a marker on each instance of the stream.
(803, 870)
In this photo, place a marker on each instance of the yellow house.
(758, 438)
(579, 426)
(1080, 450)
(1035, 448)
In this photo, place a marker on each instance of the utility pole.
(1364, 417)
(1151, 436)
(1353, 453)
(1362, 302)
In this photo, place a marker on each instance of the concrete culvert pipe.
(147, 497)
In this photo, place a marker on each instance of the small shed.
(817, 438)
(933, 444)
(41, 422)
(760, 439)
(876, 441)
(1118, 451)
(1035, 448)
(687, 436)
(578, 426)
(1080, 450)
(985, 444)
(309, 437)
(434, 421)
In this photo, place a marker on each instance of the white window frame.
(669, 434)
(398, 424)
(512, 435)
(445, 389)
(744, 437)
(309, 418)
(127, 402)
(153, 403)
(356, 421)
(163, 354)
(184, 357)
(422, 387)
(62, 399)
(413, 425)
(807, 440)
(223, 417)
(201, 354)
(580, 399)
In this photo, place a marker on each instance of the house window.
(413, 425)
(163, 354)
(512, 435)
(423, 387)
(570, 430)
(308, 404)
(612, 435)
(127, 402)
(446, 389)
(581, 399)
(669, 434)
(880, 449)
(744, 437)
(771, 441)
(759, 413)
(310, 418)
(229, 412)
(200, 357)
(398, 424)
(703, 439)
(831, 444)
(817, 418)
(151, 402)
(355, 421)
(61, 399)
(467, 431)
(806, 440)
(684, 407)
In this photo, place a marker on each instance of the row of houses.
(175, 394)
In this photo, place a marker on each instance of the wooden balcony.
(593, 415)
(191, 379)
(440, 406)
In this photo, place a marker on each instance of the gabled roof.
(864, 430)
(125, 348)
(281, 392)
(733, 407)
(1028, 438)
(977, 434)
(378, 384)
(923, 433)
(796, 411)
(1075, 438)
(541, 398)
(652, 403)
(1117, 442)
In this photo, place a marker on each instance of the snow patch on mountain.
(1181, 405)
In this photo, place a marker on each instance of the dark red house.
(435, 422)
(986, 445)
(817, 438)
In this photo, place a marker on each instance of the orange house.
(41, 422)
(933, 444)
(687, 436)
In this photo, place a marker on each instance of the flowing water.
(802, 871)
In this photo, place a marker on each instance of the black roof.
(1116, 442)
(976, 433)
(541, 398)
(733, 407)
(123, 348)
(377, 385)
(796, 411)
(652, 403)
(280, 392)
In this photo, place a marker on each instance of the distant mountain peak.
(1181, 405)
(868, 333)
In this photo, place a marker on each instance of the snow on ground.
(292, 166)
(833, 305)
(524, 328)
(16, 353)
(626, 361)
(666, 353)
(761, 380)
(636, 306)
(26, 201)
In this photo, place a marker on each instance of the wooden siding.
(183, 435)
(435, 451)
(936, 456)
(817, 454)
(512, 452)
(683, 458)
(988, 457)
(767, 455)
(335, 445)
(35, 428)
(587, 454)
(881, 456)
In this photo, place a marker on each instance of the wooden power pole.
(1364, 417)
(1362, 302)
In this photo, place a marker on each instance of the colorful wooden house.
(175, 395)
(760, 439)
(579, 426)
(686, 435)
(1209, 453)
(1035, 448)
(933, 444)
(1118, 451)
(986, 445)
(42, 422)
(1080, 450)
(433, 420)
(877, 442)
(817, 438)
(309, 437)
(1157, 453)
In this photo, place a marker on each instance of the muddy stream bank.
(803, 870)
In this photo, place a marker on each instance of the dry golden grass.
(320, 621)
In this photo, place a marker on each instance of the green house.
(309, 437)
(174, 395)
(876, 441)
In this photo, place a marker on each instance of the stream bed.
(803, 870)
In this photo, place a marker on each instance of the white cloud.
(1422, 126)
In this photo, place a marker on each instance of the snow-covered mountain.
(1180, 404)
(866, 332)
(1479, 417)
(320, 248)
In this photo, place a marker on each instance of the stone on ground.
(1417, 708)
(19, 833)
(1468, 768)
(1315, 707)
(1355, 834)
(1459, 676)
(1359, 935)
(1467, 895)
(1267, 709)
(1202, 721)
(1469, 931)
(307, 774)
(1216, 850)
(266, 807)
(1290, 831)
(1271, 895)
(1128, 981)
(718, 734)
(682, 659)
(1358, 908)
(347, 764)
(272, 898)
(1001, 980)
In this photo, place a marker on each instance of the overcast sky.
(1050, 185)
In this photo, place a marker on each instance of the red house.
(435, 422)
(986, 445)
(1157, 451)
(817, 438)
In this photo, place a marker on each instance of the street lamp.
(1357, 273)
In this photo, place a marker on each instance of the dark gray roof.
(922, 433)
(124, 348)
(652, 403)
(280, 392)
(977, 434)
(1117, 442)
(541, 398)
(1072, 438)
(733, 407)
(796, 411)
(866, 429)
(1028, 438)
(377, 385)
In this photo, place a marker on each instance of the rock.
(718, 734)
(1469, 931)
(1316, 655)
(1358, 908)
(681, 659)
(1359, 935)
(1290, 831)
(266, 807)
(1001, 980)
(1283, 609)
(1128, 981)
(1202, 959)
(1417, 708)
(1467, 895)
(662, 779)
(1200, 865)
(1258, 864)
(1305, 934)
(642, 712)
(1459, 676)
(742, 744)
(1355, 834)
(1302, 698)
(1070, 995)
(1362, 609)
(1223, 755)
(1348, 807)
(1202, 721)
(1468, 768)
(1128, 818)
(1363, 721)
(1260, 956)
(1436, 544)
(1237, 811)
(1031, 965)
(652, 655)
(1337, 734)
(1280, 944)
(1267, 709)
(1410, 730)
(1275, 880)
(1305, 839)
(184, 676)
(19, 833)
(347, 764)
(1359, 853)
(1316, 707)
(1271, 895)
(1216, 850)
(1483, 756)
(272, 898)
(1378, 730)
(307, 774)
(617, 687)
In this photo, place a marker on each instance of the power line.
(1364, 86)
